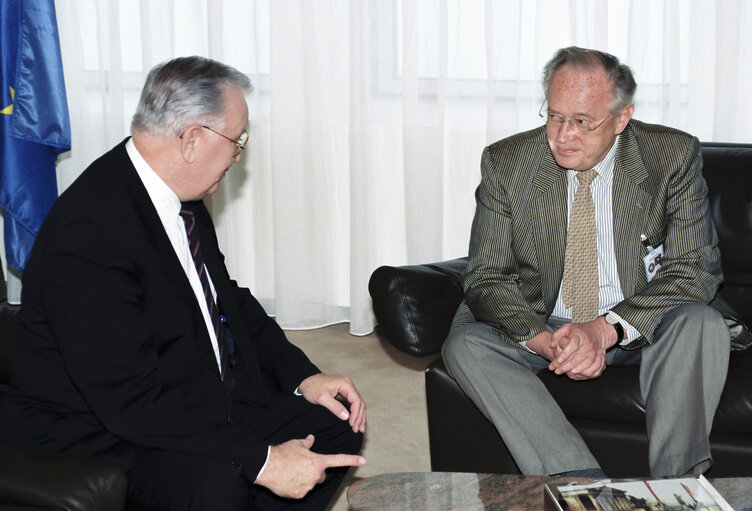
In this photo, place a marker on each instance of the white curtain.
(369, 116)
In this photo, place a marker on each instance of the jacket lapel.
(226, 298)
(631, 204)
(550, 225)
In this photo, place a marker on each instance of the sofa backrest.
(728, 172)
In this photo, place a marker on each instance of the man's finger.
(583, 365)
(589, 369)
(343, 460)
(574, 363)
(358, 416)
(561, 332)
(335, 407)
(570, 348)
(564, 357)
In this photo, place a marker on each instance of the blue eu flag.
(34, 123)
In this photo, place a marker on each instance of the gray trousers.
(682, 373)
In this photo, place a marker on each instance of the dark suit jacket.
(518, 240)
(113, 353)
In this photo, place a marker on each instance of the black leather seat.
(414, 306)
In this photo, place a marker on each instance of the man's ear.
(623, 117)
(189, 143)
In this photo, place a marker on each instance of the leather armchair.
(34, 479)
(414, 306)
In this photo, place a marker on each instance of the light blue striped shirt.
(609, 286)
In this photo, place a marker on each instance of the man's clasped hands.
(576, 349)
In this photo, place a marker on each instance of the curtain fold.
(369, 116)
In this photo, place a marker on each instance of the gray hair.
(619, 74)
(185, 91)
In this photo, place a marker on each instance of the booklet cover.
(648, 495)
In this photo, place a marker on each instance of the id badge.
(653, 261)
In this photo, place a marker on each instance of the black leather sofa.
(34, 479)
(414, 306)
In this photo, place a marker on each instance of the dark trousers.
(168, 480)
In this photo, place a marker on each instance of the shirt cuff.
(269, 448)
(268, 452)
(630, 332)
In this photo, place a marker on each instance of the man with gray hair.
(592, 245)
(136, 347)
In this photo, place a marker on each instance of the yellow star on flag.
(9, 109)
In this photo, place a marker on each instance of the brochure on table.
(657, 494)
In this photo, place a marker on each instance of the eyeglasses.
(554, 120)
(239, 143)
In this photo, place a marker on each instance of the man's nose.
(566, 130)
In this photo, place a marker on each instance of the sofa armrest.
(51, 480)
(414, 305)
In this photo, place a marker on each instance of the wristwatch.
(612, 320)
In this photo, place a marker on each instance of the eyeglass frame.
(571, 121)
(239, 144)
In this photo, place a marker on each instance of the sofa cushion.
(734, 413)
(51, 480)
(615, 396)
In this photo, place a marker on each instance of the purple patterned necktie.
(193, 243)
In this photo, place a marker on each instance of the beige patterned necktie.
(580, 288)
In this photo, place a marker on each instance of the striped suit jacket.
(518, 239)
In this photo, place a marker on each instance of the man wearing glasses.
(135, 345)
(592, 245)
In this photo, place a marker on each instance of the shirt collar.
(164, 199)
(605, 168)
